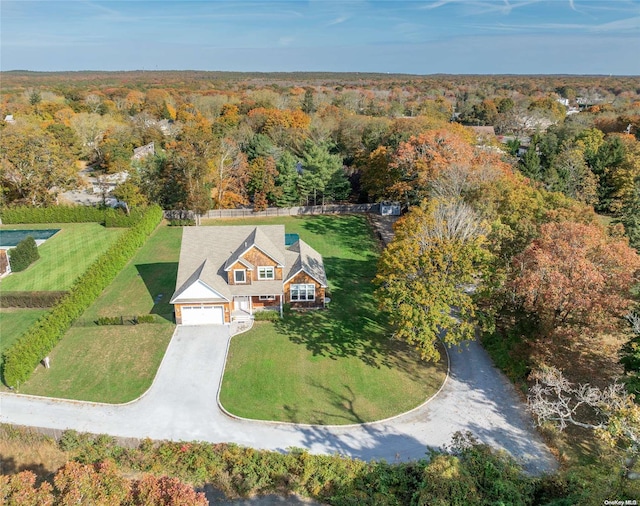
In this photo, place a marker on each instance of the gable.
(199, 291)
(257, 257)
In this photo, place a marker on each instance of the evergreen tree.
(308, 106)
(287, 181)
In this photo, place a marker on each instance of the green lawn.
(334, 366)
(118, 363)
(104, 364)
(63, 257)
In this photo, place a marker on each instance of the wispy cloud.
(286, 41)
(338, 20)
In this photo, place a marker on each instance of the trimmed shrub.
(182, 223)
(72, 214)
(122, 320)
(266, 316)
(110, 320)
(30, 299)
(118, 218)
(24, 254)
(23, 356)
(54, 214)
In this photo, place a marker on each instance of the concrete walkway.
(182, 405)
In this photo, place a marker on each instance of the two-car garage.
(202, 315)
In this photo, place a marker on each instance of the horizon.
(430, 37)
(318, 72)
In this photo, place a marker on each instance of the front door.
(242, 303)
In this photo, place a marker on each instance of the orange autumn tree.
(420, 161)
(575, 276)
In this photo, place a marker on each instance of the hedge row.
(71, 214)
(121, 320)
(54, 214)
(30, 299)
(24, 254)
(117, 218)
(22, 358)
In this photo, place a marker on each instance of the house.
(5, 266)
(225, 274)
(144, 151)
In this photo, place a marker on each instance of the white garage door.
(205, 315)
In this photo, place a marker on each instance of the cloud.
(338, 21)
(285, 41)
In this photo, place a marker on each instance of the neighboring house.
(144, 151)
(228, 273)
(9, 119)
(5, 266)
(484, 134)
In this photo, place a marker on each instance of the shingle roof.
(261, 240)
(305, 258)
(207, 253)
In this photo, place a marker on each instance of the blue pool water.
(290, 239)
(10, 238)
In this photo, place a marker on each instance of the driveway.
(181, 405)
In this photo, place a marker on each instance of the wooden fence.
(277, 211)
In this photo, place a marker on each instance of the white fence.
(278, 211)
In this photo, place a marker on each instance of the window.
(267, 297)
(303, 292)
(266, 272)
(240, 276)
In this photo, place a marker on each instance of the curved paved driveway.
(181, 405)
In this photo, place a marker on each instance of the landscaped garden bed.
(333, 366)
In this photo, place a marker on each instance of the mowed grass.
(111, 364)
(63, 257)
(117, 364)
(335, 366)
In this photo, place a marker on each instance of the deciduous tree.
(574, 275)
(34, 167)
(425, 272)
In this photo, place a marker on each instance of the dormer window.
(240, 276)
(266, 273)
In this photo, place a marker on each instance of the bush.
(30, 299)
(182, 223)
(23, 356)
(72, 214)
(55, 214)
(268, 316)
(110, 320)
(24, 254)
(121, 320)
(118, 218)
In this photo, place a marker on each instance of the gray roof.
(261, 240)
(207, 253)
(304, 258)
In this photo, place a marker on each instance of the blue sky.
(418, 37)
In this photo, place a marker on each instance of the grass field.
(63, 257)
(117, 363)
(334, 366)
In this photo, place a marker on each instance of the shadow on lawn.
(160, 280)
(352, 325)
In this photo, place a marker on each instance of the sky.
(415, 37)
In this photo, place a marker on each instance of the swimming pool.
(10, 238)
